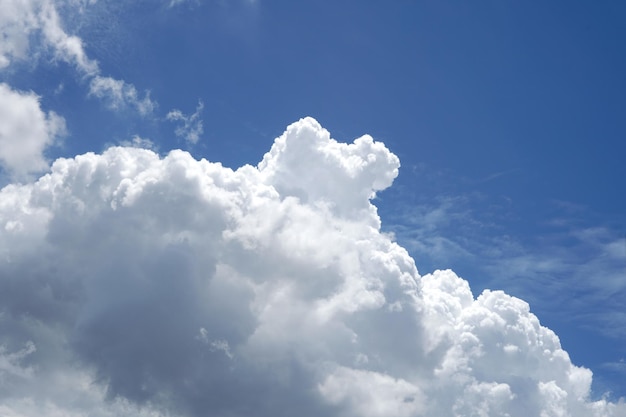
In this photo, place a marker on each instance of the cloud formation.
(30, 27)
(191, 127)
(447, 229)
(25, 132)
(119, 94)
(132, 284)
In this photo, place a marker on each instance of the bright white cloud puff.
(132, 284)
(25, 132)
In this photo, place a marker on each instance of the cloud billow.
(26, 131)
(134, 284)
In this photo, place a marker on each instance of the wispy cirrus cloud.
(583, 268)
(577, 270)
(190, 126)
(30, 31)
(29, 28)
(118, 94)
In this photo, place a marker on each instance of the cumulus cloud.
(25, 132)
(24, 22)
(191, 127)
(131, 283)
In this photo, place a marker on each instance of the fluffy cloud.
(131, 283)
(25, 132)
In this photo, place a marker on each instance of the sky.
(347, 208)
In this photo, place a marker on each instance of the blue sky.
(508, 118)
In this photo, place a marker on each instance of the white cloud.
(184, 286)
(21, 21)
(25, 132)
(17, 20)
(372, 394)
(68, 48)
(192, 127)
(139, 142)
(120, 94)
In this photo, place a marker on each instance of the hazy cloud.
(174, 3)
(191, 127)
(575, 272)
(119, 94)
(139, 142)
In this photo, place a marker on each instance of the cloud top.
(158, 285)
(305, 162)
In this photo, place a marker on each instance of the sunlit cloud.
(26, 131)
(178, 285)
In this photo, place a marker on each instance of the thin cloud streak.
(577, 268)
(191, 127)
(21, 21)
